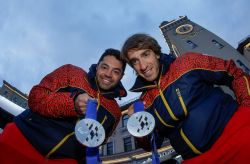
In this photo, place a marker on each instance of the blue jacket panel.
(188, 106)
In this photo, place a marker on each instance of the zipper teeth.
(167, 106)
(181, 101)
(164, 123)
(104, 119)
(188, 142)
(59, 144)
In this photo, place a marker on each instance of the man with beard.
(45, 132)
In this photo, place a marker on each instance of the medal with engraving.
(88, 131)
(141, 124)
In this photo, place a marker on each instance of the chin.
(150, 79)
(106, 88)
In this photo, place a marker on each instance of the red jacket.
(52, 117)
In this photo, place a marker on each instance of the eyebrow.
(144, 52)
(105, 64)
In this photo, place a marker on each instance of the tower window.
(217, 44)
(191, 44)
(127, 144)
(110, 148)
(124, 120)
(243, 66)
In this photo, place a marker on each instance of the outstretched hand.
(81, 103)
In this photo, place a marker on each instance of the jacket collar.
(118, 91)
(141, 85)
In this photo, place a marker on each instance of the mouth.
(106, 81)
(147, 73)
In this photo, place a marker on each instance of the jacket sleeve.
(222, 72)
(46, 99)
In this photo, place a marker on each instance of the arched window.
(124, 120)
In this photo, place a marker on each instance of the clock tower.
(183, 35)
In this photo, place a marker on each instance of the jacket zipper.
(189, 143)
(181, 101)
(161, 120)
(59, 144)
(104, 119)
(166, 105)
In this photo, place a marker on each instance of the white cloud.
(36, 37)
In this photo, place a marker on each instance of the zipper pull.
(178, 92)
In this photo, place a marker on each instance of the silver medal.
(89, 132)
(141, 124)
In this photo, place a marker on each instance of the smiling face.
(109, 72)
(145, 62)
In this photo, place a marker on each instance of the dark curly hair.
(116, 54)
(140, 41)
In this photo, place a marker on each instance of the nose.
(108, 73)
(143, 66)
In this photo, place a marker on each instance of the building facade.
(122, 147)
(183, 35)
(12, 101)
(13, 94)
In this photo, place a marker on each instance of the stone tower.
(183, 35)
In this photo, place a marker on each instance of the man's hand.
(130, 110)
(81, 103)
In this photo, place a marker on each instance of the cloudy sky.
(37, 36)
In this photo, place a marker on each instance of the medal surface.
(89, 132)
(141, 124)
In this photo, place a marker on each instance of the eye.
(117, 72)
(146, 53)
(104, 67)
(133, 62)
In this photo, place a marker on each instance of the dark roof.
(125, 105)
(15, 89)
(243, 43)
